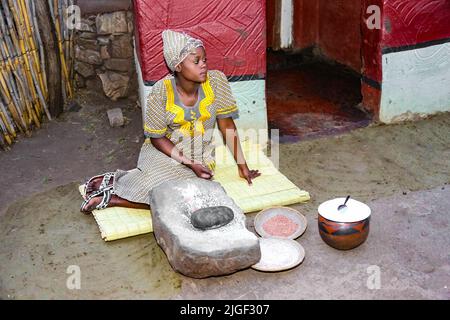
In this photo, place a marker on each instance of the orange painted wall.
(333, 26)
(340, 31)
(306, 23)
(270, 21)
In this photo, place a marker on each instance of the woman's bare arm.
(231, 139)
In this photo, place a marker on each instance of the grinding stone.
(211, 217)
(200, 253)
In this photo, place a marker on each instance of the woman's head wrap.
(177, 46)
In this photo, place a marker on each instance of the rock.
(104, 41)
(90, 44)
(130, 20)
(87, 35)
(88, 56)
(200, 253)
(211, 217)
(130, 27)
(84, 26)
(115, 64)
(104, 53)
(100, 69)
(122, 47)
(84, 69)
(115, 117)
(115, 22)
(115, 85)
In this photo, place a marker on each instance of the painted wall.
(415, 59)
(234, 34)
(271, 8)
(409, 22)
(404, 65)
(340, 31)
(306, 23)
(371, 70)
(332, 26)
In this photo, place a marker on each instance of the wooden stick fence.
(24, 89)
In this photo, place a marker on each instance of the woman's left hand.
(247, 174)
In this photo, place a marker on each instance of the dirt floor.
(400, 171)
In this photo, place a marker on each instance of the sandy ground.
(400, 171)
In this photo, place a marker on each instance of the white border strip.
(144, 90)
(416, 83)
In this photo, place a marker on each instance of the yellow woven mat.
(272, 188)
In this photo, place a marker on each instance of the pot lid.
(355, 210)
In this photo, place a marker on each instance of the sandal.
(105, 182)
(105, 192)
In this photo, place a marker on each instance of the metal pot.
(346, 228)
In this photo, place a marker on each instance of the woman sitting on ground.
(181, 112)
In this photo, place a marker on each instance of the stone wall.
(104, 54)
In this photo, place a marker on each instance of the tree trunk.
(52, 63)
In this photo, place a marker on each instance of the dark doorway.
(313, 86)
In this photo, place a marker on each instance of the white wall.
(416, 83)
(286, 23)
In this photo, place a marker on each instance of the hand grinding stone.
(211, 217)
(201, 253)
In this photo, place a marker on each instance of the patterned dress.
(189, 128)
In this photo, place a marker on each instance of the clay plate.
(266, 214)
(279, 254)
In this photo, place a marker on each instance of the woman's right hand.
(200, 170)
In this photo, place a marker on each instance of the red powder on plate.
(280, 226)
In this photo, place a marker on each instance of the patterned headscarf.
(177, 46)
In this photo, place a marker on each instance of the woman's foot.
(91, 205)
(94, 184)
(115, 201)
